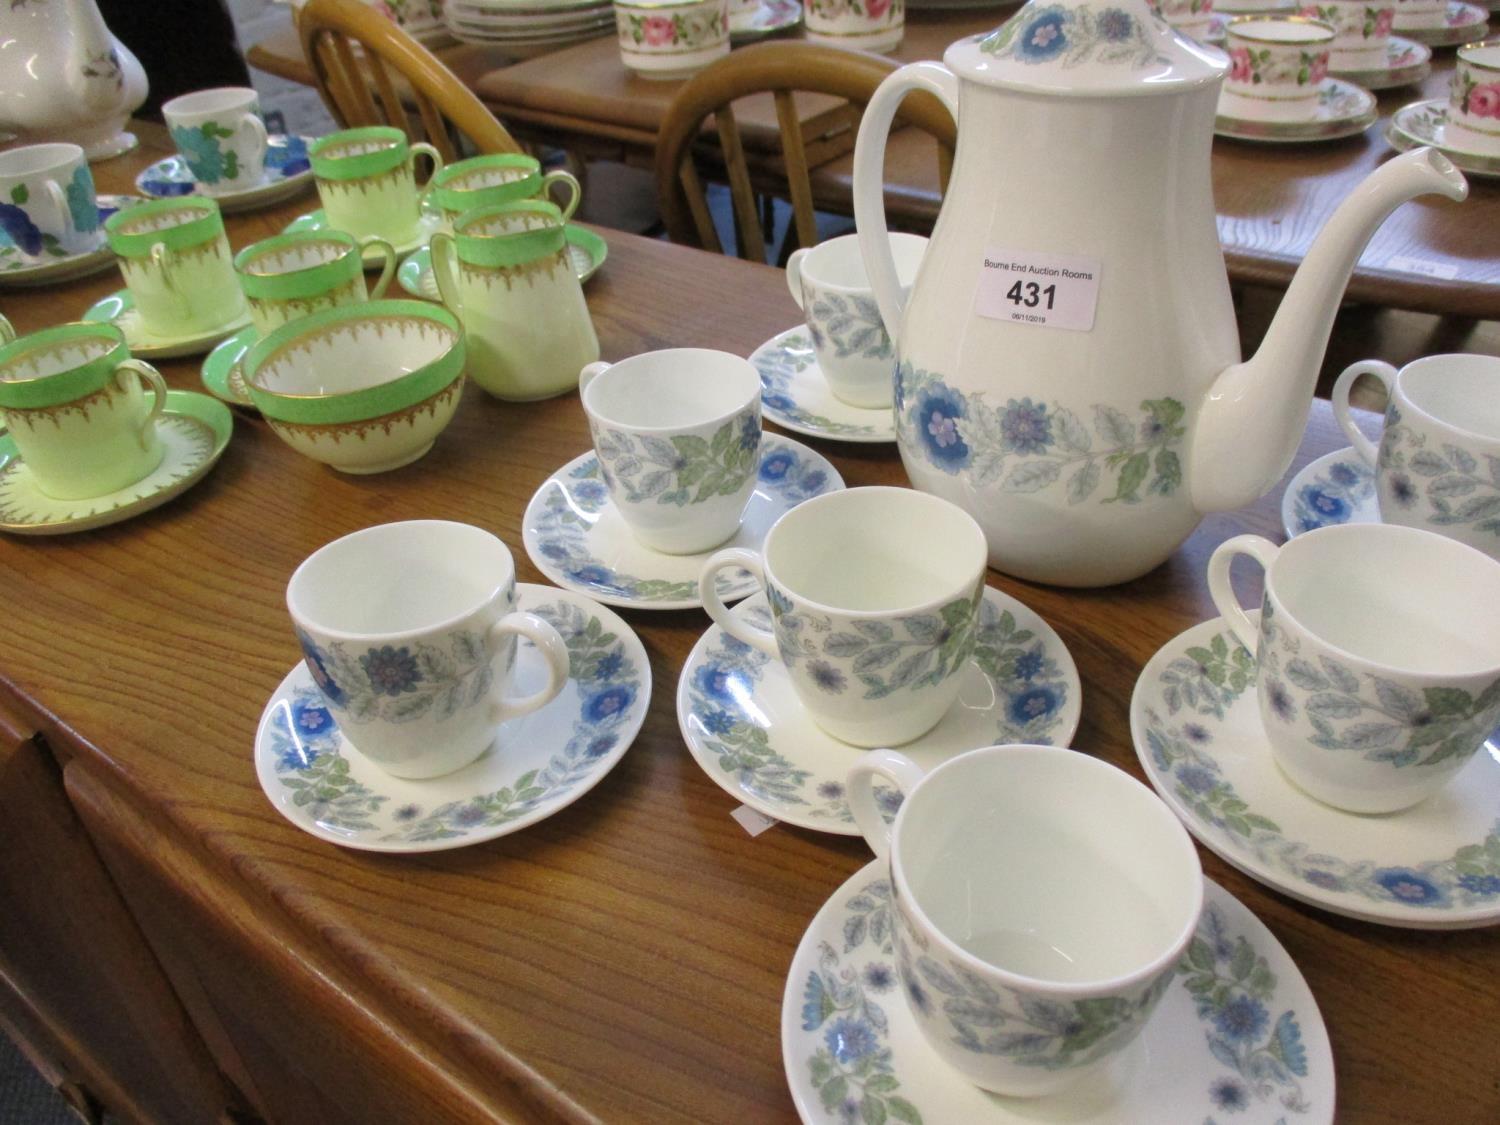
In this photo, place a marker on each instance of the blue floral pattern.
(1198, 693)
(779, 367)
(1041, 34)
(1442, 484)
(684, 470)
(286, 158)
(1334, 495)
(1025, 446)
(610, 694)
(199, 145)
(82, 207)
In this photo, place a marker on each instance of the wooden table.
(624, 960)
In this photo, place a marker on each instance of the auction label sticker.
(1044, 290)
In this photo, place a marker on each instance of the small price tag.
(1428, 269)
(753, 822)
(1042, 290)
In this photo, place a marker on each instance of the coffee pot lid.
(1086, 48)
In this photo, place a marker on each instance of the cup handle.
(422, 148)
(7, 331)
(549, 643)
(149, 377)
(794, 273)
(60, 201)
(896, 768)
(387, 271)
(1221, 590)
(1368, 450)
(252, 124)
(575, 189)
(445, 271)
(590, 372)
(736, 627)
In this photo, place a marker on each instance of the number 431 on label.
(1043, 290)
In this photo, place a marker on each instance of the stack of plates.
(528, 23)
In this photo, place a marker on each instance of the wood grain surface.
(630, 951)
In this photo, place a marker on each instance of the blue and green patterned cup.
(47, 206)
(221, 136)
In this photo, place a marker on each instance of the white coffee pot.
(64, 77)
(1068, 366)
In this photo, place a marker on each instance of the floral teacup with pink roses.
(1474, 99)
(665, 39)
(864, 25)
(1276, 66)
(1362, 27)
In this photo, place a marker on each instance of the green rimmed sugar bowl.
(175, 258)
(294, 275)
(502, 177)
(505, 272)
(363, 388)
(367, 181)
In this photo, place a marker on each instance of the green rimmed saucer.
(586, 250)
(1343, 110)
(119, 309)
(221, 373)
(1425, 123)
(431, 222)
(194, 428)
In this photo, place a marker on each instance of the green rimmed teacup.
(175, 258)
(505, 272)
(75, 403)
(504, 177)
(363, 388)
(294, 275)
(367, 181)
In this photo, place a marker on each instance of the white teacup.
(1474, 99)
(51, 193)
(1363, 30)
(1041, 901)
(677, 433)
(1377, 658)
(1438, 462)
(830, 286)
(1276, 64)
(221, 136)
(409, 629)
(874, 597)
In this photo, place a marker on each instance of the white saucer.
(194, 430)
(119, 309)
(14, 270)
(1458, 24)
(288, 171)
(796, 397)
(766, 18)
(1198, 735)
(1336, 488)
(1342, 110)
(545, 761)
(576, 538)
(427, 226)
(744, 726)
(1425, 123)
(1406, 63)
(1238, 1037)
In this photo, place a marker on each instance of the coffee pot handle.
(150, 379)
(896, 768)
(554, 652)
(1221, 590)
(1383, 371)
(737, 627)
(869, 178)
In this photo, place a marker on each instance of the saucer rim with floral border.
(70, 267)
(1451, 32)
(173, 170)
(1358, 491)
(1321, 126)
(1389, 76)
(595, 636)
(1399, 135)
(1237, 789)
(807, 391)
(808, 749)
(119, 309)
(571, 507)
(843, 981)
(196, 430)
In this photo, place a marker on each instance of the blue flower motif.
(609, 703)
(1034, 703)
(775, 465)
(1115, 25)
(734, 646)
(317, 667)
(600, 746)
(1480, 884)
(814, 997)
(555, 551)
(1044, 38)
(1029, 664)
(1325, 879)
(777, 401)
(407, 812)
(1344, 474)
(590, 492)
(780, 603)
(938, 411)
(609, 666)
(470, 815)
(1242, 1020)
(297, 757)
(1197, 779)
(1196, 732)
(851, 1039)
(1402, 490)
(888, 801)
(811, 482)
(1282, 705)
(718, 723)
(1229, 1094)
(878, 977)
(82, 208)
(290, 158)
(17, 229)
(716, 682)
(1408, 886)
(1026, 427)
(749, 432)
(826, 676)
(205, 160)
(831, 790)
(1333, 509)
(601, 577)
(390, 670)
(310, 720)
(1288, 1037)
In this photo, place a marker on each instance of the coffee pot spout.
(1252, 418)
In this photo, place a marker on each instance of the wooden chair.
(353, 49)
(780, 68)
